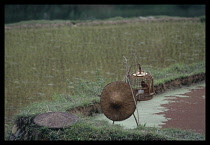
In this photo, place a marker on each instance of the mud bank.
(87, 111)
(178, 83)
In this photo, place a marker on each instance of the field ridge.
(58, 23)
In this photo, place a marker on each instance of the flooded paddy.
(181, 108)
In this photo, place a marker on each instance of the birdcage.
(142, 83)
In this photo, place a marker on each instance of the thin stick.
(133, 97)
(135, 59)
(113, 122)
(135, 119)
(127, 81)
(138, 114)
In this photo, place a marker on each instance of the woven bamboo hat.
(55, 119)
(117, 101)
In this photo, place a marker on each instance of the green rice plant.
(39, 60)
(88, 88)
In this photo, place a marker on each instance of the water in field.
(38, 61)
(151, 112)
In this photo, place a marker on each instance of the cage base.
(144, 97)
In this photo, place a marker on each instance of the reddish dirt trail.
(187, 112)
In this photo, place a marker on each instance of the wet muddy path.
(188, 112)
(181, 108)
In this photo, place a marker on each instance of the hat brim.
(117, 102)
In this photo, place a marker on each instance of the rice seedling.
(40, 60)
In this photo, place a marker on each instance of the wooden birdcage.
(142, 83)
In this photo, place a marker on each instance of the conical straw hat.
(117, 101)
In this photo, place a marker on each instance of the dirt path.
(186, 112)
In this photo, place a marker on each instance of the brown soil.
(187, 112)
(88, 110)
(178, 83)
